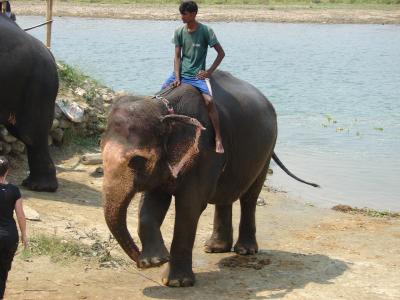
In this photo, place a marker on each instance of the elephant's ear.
(182, 141)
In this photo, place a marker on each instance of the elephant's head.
(143, 147)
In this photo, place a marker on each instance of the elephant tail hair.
(282, 166)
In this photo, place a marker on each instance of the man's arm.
(177, 66)
(216, 63)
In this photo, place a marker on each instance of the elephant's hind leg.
(221, 238)
(247, 243)
(152, 210)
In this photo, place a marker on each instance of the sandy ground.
(386, 14)
(305, 252)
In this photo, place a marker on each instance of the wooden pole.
(49, 16)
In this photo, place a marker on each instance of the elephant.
(28, 90)
(164, 147)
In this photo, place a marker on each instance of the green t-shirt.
(194, 48)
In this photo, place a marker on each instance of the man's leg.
(213, 114)
(168, 82)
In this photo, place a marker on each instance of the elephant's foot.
(154, 257)
(246, 247)
(42, 184)
(178, 277)
(214, 245)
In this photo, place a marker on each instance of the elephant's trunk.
(118, 191)
(116, 221)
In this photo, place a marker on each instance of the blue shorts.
(199, 84)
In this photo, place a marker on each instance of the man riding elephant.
(28, 89)
(191, 41)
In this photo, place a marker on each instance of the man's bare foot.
(218, 147)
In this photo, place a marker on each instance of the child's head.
(4, 165)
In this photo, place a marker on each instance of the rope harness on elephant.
(159, 96)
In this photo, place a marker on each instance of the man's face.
(188, 17)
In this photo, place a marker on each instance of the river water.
(336, 90)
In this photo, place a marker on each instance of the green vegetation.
(366, 211)
(73, 78)
(64, 251)
(76, 85)
(70, 77)
(84, 143)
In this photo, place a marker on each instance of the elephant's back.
(249, 126)
(243, 107)
(28, 62)
(21, 46)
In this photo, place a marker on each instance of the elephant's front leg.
(152, 210)
(179, 271)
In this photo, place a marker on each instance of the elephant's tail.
(282, 166)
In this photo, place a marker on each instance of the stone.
(5, 148)
(261, 202)
(57, 136)
(64, 124)
(72, 110)
(7, 137)
(18, 147)
(79, 91)
(49, 140)
(55, 124)
(57, 112)
(91, 159)
(31, 214)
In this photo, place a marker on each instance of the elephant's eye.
(138, 163)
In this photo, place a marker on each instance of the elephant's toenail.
(174, 283)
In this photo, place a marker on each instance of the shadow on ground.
(267, 275)
(78, 188)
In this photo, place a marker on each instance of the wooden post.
(49, 16)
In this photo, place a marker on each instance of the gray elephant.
(28, 89)
(148, 148)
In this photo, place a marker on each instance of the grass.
(72, 137)
(73, 78)
(63, 251)
(366, 211)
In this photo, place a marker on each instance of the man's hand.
(177, 82)
(203, 74)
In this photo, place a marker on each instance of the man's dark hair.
(4, 165)
(188, 6)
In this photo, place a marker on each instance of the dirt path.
(306, 252)
(387, 14)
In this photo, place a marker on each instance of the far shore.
(381, 14)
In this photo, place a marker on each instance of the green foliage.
(71, 137)
(366, 211)
(69, 76)
(62, 251)
(73, 78)
(54, 247)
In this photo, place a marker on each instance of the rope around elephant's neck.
(159, 96)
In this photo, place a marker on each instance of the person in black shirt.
(10, 200)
